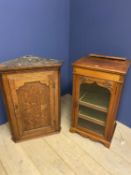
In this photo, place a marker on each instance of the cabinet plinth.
(97, 85)
(31, 91)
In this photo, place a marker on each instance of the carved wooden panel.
(34, 105)
(100, 82)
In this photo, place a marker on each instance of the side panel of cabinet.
(112, 112)
(75, 98)
(34, 98)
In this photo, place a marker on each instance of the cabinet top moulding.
(29, 62)
(117, 65)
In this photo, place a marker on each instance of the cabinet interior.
(92, 115)
(93, 107)
(94, 96)
(91, 126)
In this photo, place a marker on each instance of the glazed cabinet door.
(34, 97)
(93, 102)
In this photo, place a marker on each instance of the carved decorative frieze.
(103, 83)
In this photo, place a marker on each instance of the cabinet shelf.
(91, 126)
(93, 106)
(94, 96)
(92, 115)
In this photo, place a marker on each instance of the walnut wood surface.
(104, 64)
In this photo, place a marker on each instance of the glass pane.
(95, 116)
(90, 126)
(95, 95)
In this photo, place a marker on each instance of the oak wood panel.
(103, 63)
(32, 99)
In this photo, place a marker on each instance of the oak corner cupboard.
(31, 90)
(97, 85)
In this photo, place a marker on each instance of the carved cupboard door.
(33, 96)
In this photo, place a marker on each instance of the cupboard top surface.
(27, 62)
(116, 65)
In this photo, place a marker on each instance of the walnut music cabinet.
(31, 90)
(97, 85)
